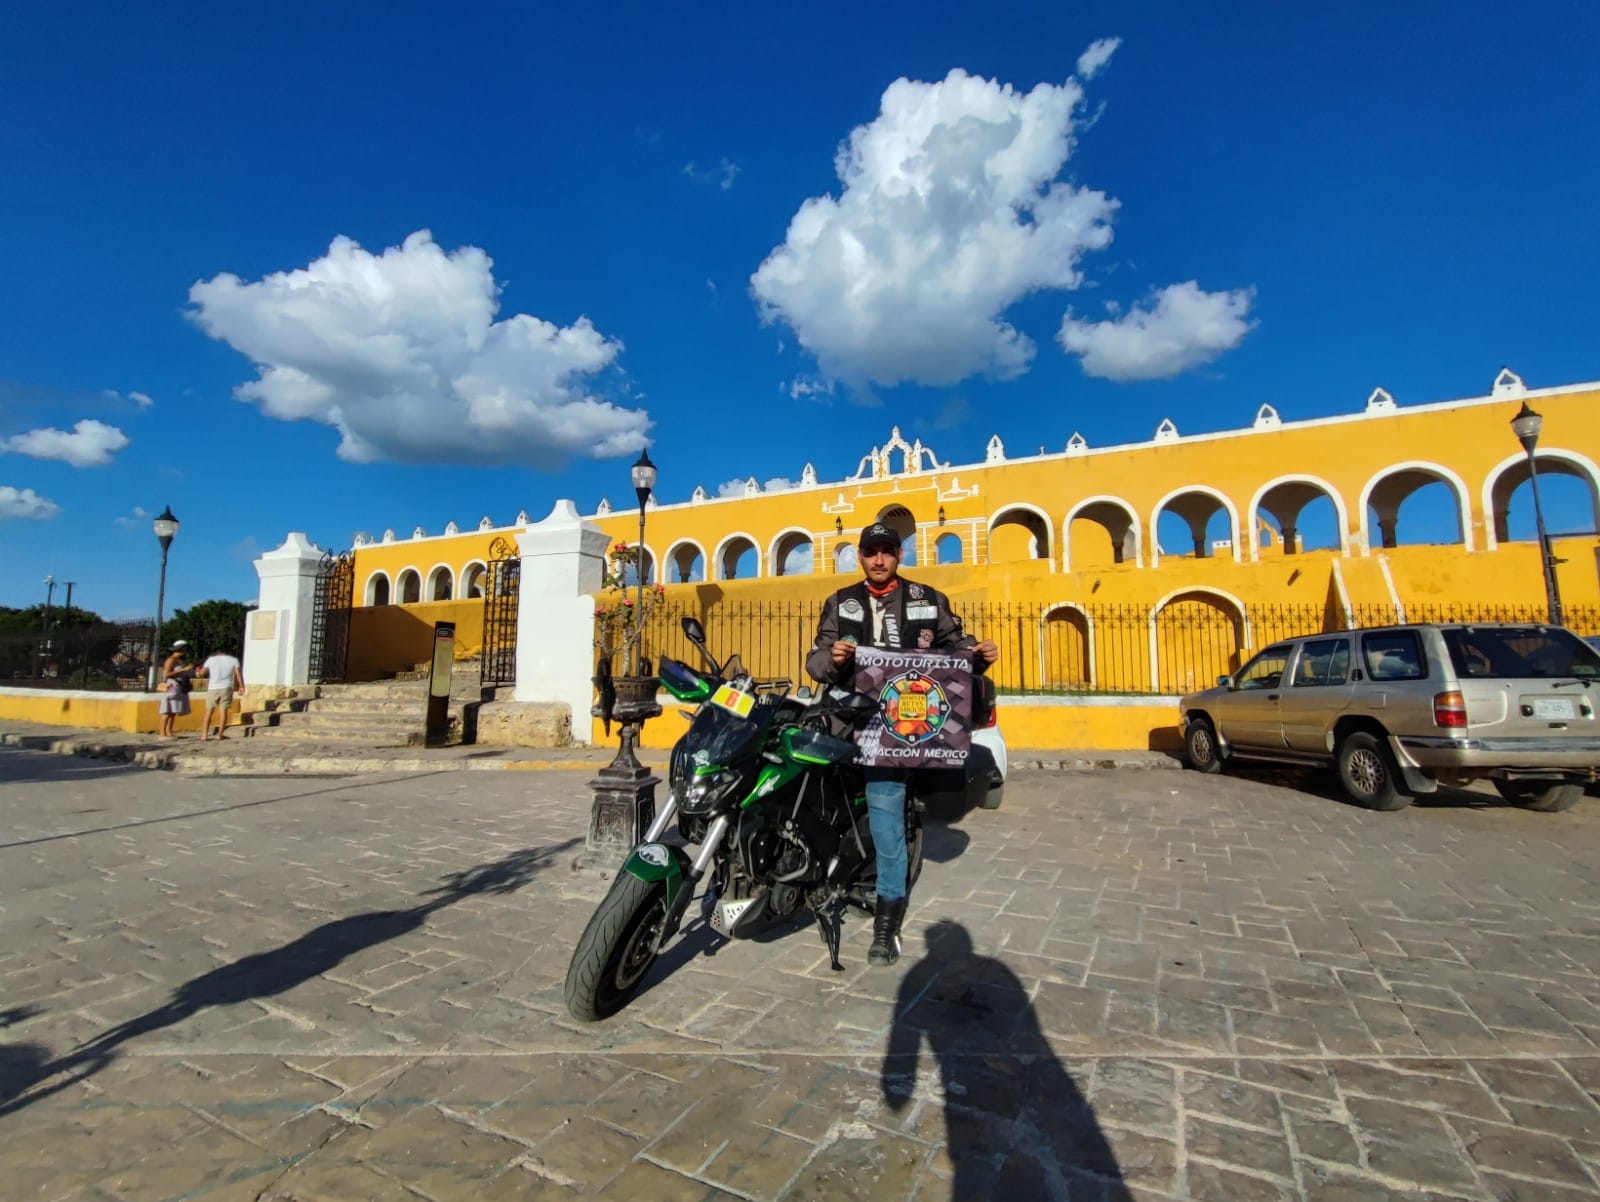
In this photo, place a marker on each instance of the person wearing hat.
(175, 697)
(886, 610)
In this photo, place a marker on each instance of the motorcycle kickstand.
(829, 921)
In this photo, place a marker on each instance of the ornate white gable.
(1267, 418)
(699, 494)
(419, 532)
(1167, 431)
(451, 528)
(995, 452)
(485, 523)
(388, 536)
(1380, 402)
(1077, 444)
(1508, 383)
(604, 507)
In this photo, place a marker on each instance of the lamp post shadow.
(1016, 1124)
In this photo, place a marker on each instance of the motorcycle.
(768, 791)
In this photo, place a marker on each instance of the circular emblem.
(914, 708)
(654, 854)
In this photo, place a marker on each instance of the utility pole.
(66, 638)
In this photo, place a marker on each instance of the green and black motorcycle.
(768, 791)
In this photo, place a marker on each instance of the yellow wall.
(135, 713)
(388, 639)
(1103, 724)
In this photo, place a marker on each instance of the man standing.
(223, 679)
(887, 611)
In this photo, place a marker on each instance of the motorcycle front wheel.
(617, 948)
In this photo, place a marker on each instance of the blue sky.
(306, 268)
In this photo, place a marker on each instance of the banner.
(924, 715)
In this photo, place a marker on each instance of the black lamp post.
(644, 480)
(1526, 426)
(166, 528)
(625, 790)
(41, 657)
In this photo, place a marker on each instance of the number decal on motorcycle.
(732, 700)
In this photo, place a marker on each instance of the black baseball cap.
(879, 535)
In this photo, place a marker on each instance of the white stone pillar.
(563, 562)
(277, 645)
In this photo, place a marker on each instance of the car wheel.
(1200, 746)
(1368, 774)
(1540, 796)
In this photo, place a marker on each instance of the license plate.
(1554, 707)
(734, 701)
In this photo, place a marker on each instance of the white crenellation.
(995, 452)
(1077, 444)
(1267, 418)
(1508, 384)
(1167, 431)
(1380, 401)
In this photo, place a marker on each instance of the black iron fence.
(101, 655)
(1071, 648)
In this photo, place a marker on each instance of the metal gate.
(502, 584)
(330, 617)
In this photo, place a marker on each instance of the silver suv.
(1399, 710)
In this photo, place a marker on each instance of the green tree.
(208, 626)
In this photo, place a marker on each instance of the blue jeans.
(886, 814)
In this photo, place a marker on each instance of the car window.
(1265, 671)
(1394, 655)
(1325, 661)
(1510, 652)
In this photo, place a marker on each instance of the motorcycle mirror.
(696, 634)
(803, 692)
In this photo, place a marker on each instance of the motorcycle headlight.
(702, 794)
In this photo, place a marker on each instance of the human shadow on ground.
(266, 974)
(1016, 1124)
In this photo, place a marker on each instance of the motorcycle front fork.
(697, 868)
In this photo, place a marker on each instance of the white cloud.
(722, 175)
(25, 503)
(141, 399)
(800, 560)
(402, 354)
(733, 488)
(87, 444)
(779, 484)
(808, 386)
(1093, 60)
(1186, 327)
(950, 212)
(138, 517)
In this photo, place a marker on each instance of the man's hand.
(843, 651)
(987, 651)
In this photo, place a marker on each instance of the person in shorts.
(224, 677)
(175, 675)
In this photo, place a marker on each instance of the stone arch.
(792, 541)
(647, 564)
(377, 590)
(732, 549)
(947, 548)
(1196, 635)
(441, 583)
(1195, 505)
(408, 588)
(1285, 498)
(1391, 486)
(686, 561)
(1119, 520)
(904, 523)
(1066, 646)
(1031, 519)
(472, 580)
(1512, 473)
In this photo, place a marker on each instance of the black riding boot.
(886, 919)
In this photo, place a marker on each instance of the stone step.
(359, 738)
(415, 705)
(310, 726)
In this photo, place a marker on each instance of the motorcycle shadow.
(943, 843)
(697, 939)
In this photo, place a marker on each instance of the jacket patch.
(921, 613)
(925, 638)
(852, 611)
(915, 592)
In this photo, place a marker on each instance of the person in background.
(175, 698)
(224, 677)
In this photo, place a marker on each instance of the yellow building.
(1140, 568)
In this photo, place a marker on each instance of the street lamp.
(644, 479)
(1526, 426)
(41, 657)
(166, 528)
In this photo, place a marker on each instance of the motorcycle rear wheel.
(617, 948)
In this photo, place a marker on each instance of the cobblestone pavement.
(1122, 985)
